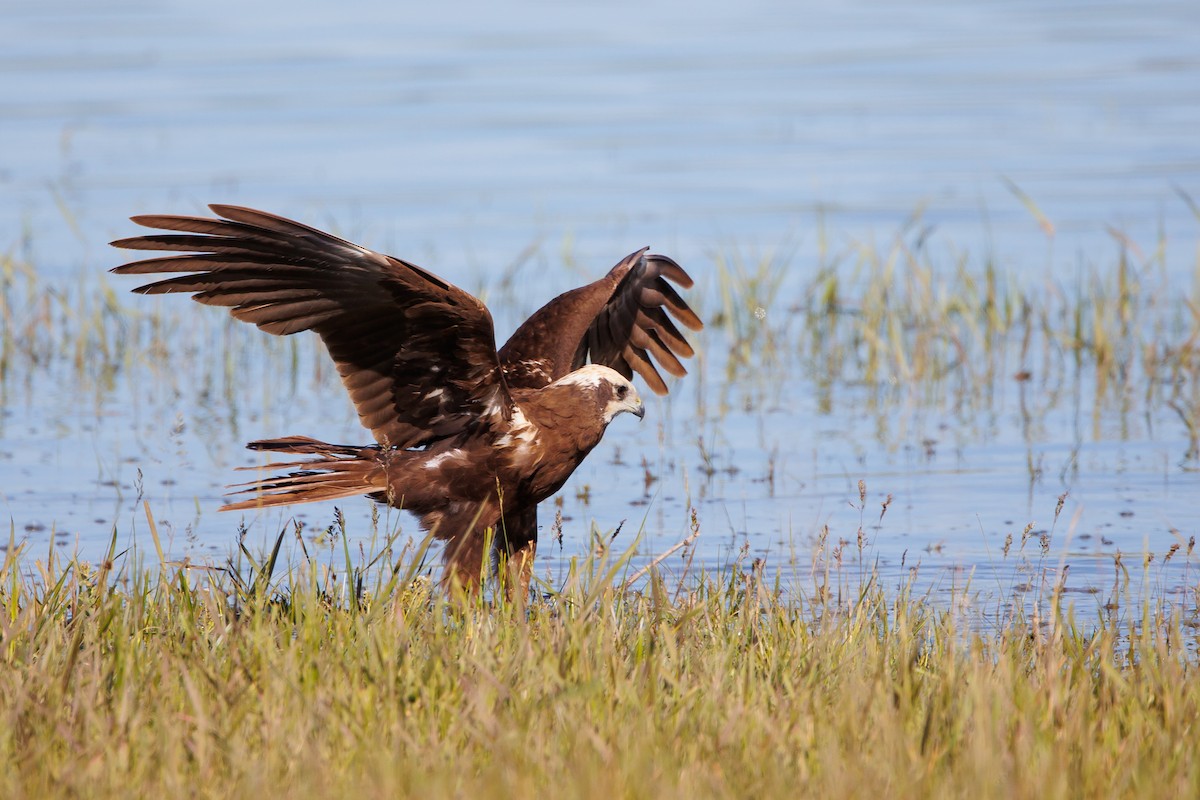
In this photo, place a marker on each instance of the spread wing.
(626, 320)
(417, 354)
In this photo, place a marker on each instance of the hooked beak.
(639, 410)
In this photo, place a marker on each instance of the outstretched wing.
(623, 321)
(417, 354)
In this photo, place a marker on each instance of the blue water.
(464, 133)
(483, 140)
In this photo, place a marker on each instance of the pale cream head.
(615, 389)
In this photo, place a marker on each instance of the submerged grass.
(116, 681)
(914, 324)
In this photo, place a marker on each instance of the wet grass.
(903, 324)
(119, 681)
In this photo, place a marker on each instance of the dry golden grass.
(115, 682)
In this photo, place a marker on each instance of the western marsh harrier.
(467, 437)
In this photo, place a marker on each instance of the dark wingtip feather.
(669, 268)
(641, 363)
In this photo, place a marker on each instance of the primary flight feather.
(467, 437)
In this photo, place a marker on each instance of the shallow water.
(466, 133)
(492, 144)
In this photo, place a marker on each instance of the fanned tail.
(337, 471)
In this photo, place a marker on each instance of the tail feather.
(338, 471)
(472, 530)
(304, 445)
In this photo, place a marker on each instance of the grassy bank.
(115, 682)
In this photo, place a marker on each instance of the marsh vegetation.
(718, 610)
(989, 404)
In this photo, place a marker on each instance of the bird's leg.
(519, 562)
(469, 561)
(519, 546)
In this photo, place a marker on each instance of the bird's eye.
(622, 391)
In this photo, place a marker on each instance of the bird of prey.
(467, 437)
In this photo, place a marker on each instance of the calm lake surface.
(520, 149)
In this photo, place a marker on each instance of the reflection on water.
(494, 143)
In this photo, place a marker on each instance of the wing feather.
(627, 320)
(416, 354)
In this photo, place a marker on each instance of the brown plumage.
(469, 438)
